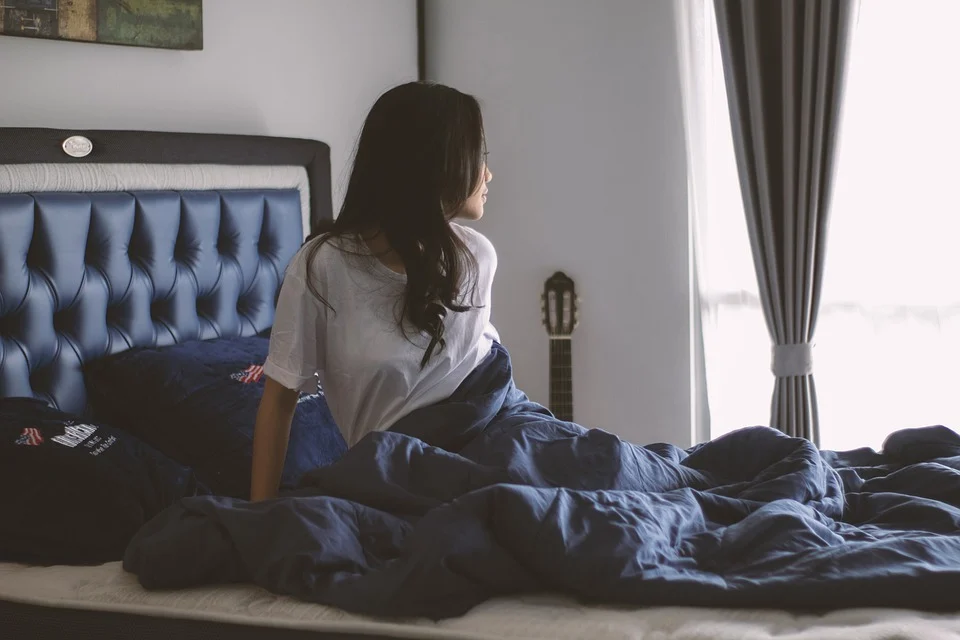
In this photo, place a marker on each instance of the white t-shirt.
(369, 370)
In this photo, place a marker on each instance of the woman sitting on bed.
(388, 307)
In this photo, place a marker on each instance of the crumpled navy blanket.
(488, 494)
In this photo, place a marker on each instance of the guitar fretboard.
(561, 379)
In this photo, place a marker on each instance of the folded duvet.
(487, 494)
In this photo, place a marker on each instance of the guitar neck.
(561, 379)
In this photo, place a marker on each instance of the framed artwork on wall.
(165, 24)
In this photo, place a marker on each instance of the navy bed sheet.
(487, 495)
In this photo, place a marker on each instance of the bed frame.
(113, 240)
(24, 146)
(118, 239)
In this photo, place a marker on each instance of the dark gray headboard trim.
(37, 145)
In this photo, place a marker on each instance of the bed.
(115, 243)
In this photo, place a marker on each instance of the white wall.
(304, 68)
(583, 113)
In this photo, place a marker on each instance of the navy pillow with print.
(74, 491)
(197, 402)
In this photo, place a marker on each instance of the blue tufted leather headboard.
(85, 274)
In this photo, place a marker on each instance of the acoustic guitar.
(560, 316)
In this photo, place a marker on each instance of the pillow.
(74, 491)
(197, 403)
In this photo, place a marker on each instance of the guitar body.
(560, 317)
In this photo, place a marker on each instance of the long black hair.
(420, 156)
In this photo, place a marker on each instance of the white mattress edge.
(396, 629)
(107, 588)
(399, 630)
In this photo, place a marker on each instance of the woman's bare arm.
(271, 434)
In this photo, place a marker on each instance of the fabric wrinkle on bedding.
(517, 502)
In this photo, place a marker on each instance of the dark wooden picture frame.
(165, 24)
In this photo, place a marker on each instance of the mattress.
(109, 591)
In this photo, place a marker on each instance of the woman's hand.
(271, 434)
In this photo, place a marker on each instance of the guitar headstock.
(560, 306)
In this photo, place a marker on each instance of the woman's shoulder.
(319, 256)
(481, 246)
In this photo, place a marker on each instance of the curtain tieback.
(792, 360)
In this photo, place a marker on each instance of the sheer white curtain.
(887, 352)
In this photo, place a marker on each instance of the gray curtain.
(784, 62)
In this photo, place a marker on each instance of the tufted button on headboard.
(83, 275)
